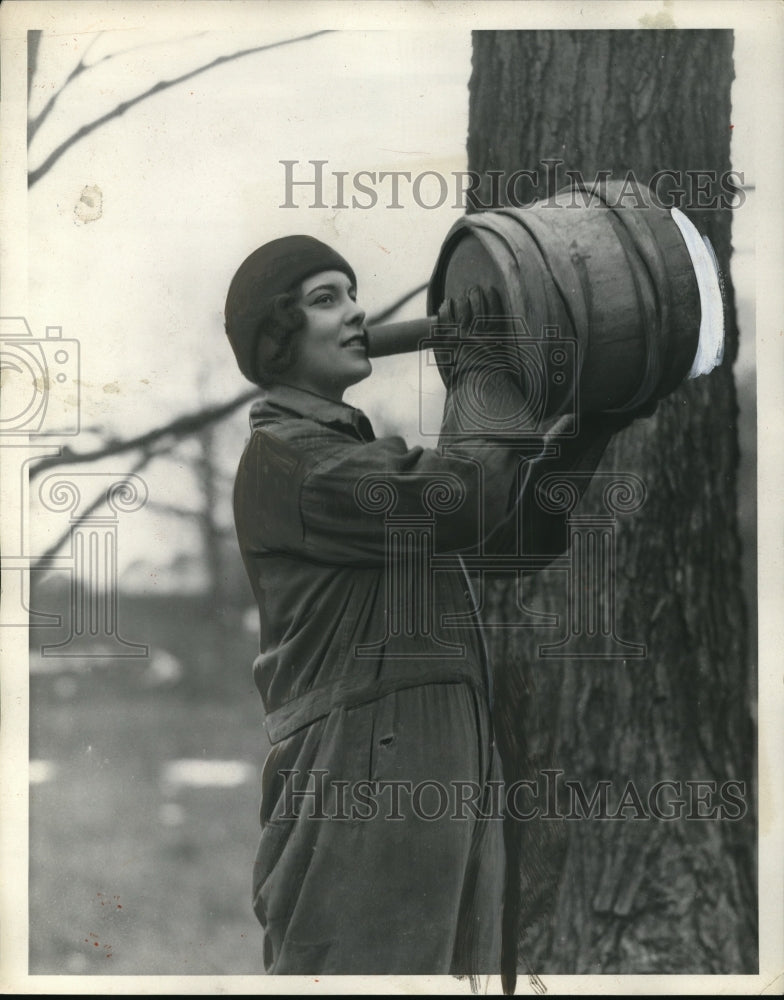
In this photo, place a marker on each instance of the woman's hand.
(474, 304)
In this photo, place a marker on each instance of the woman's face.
(331, 349)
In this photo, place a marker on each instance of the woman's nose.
(356, 315)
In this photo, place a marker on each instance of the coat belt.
(313, 705)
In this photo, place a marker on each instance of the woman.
(381, 847)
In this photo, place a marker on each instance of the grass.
(128, 875)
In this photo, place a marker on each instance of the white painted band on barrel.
(710, 349)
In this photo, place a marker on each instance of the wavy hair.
(275, 353)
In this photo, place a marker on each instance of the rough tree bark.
(634, 896)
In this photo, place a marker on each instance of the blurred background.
(145, 756)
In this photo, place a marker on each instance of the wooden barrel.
(600, 296)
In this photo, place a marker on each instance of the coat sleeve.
(351, 499)
(332, 499)
(525, 528)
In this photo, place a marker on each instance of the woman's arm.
(528, 528)
(332, 499)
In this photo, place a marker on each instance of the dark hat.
(273, 269)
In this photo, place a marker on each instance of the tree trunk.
(640, 895)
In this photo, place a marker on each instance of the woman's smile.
(331, 349)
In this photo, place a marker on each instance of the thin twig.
(179, 427)
(397, 304)
(34, 124)
(35, 175)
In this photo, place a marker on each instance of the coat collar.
(283, 398)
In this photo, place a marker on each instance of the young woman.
(381, 843)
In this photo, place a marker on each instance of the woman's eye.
(326, 297)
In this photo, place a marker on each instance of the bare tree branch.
(177, 428)
(34, 124)
(144, 45)
(390, 310)
(35, 175)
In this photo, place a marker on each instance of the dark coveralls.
(355, 694)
